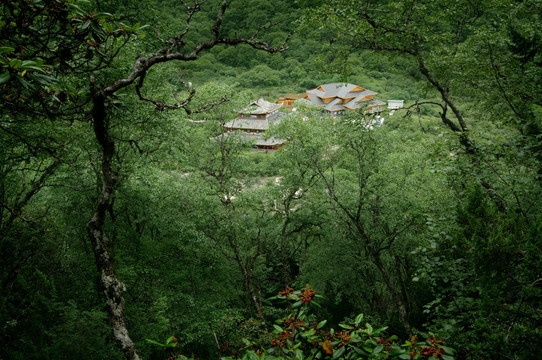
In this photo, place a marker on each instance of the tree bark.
(112, 287)
(287, 278)
(399, 303)
(248, 276)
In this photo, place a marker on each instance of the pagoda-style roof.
(259, 140)
(248, 124)
(260, 107)
(255, 139)
(253, 121)
(293, 96)
(340, 96)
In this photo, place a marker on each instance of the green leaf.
(98, 30)
(358, 319)
(155, 342)
(298, 354)
(396, 351)
(108, 27)
(23, 83)
(42, 79)
(35, 68)
(360, 351)
(28, 63)
(378, 349)
(297, 304)
(447, 357)
(321, 324)
(340, 351)
(278, 328)
(344, 326)
(4, 78)
(85, 25)
(6, 49)
(251, 355)
(15, 63)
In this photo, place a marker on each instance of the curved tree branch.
(112, 287)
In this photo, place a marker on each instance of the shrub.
(299, 336)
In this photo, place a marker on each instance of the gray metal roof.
(269, 142)
(252, 124)
(260, 107)
(334, 105)
(256, 139)
(340, 92)
(314, 99)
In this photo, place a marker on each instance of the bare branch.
(75, 188)
(181, 103)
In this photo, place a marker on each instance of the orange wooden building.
(288, 100)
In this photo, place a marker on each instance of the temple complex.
(254, 120)
(337, 97)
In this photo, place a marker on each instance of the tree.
(479, 60)
(432, 33)
(348, 161)
(54, 41)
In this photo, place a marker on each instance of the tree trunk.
(285, 268)
(253, 294)
(399, 303)
(113, 288)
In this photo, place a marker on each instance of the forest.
(131, 228)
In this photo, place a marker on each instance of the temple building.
(337, 97)
(288, 100)
(254, 120)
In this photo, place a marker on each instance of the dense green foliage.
(299, 336)
(428, 224)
